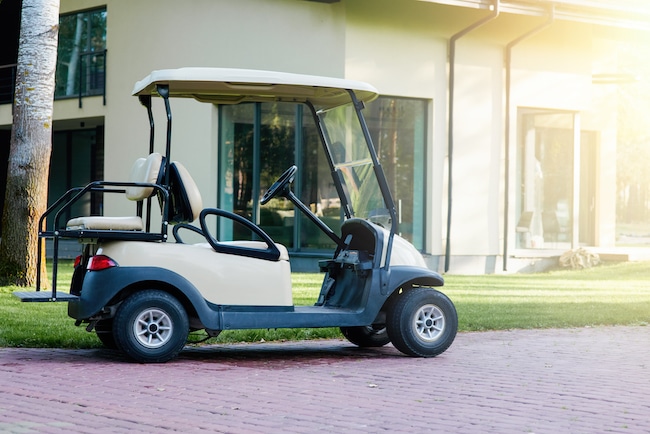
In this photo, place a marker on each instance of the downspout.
(450, 114)
(508, 65)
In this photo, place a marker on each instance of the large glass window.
(257, 145)
(398, 130)
(81, 60)
(546, 172)
(259, 141)
(77, 159)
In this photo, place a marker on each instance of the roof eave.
(621, 14)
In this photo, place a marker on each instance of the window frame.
(419, 153)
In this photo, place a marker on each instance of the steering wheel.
(278, 186)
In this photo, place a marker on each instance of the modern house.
(496, 123)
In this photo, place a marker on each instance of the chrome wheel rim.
(429, 322)
(153, 328)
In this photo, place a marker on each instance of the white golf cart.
(143, 293)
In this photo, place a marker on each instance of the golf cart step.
(42, 296)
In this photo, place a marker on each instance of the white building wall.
(286, 35)
(398, 46)
(477, 147)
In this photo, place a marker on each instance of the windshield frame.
(356, 125)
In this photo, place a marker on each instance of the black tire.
(422, 322)
(104, 331)
(151, 326)
(366, 336)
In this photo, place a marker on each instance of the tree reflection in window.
(81, 54)
(259, 141)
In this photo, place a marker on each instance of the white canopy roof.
(230, 86)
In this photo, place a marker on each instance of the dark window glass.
(259, 141)
(81, 57)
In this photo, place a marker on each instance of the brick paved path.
(590, 380)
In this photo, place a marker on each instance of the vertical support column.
(297, 184)
(450, 117)
(257, 141)
(225, 192)
(507, 150)
(575, 206)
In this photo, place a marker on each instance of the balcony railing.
(89, 80)
(92, 70)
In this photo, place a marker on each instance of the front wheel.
(422, 322)
(151, 326)
(367, 336)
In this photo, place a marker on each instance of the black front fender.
(401, 275)
(103, 288)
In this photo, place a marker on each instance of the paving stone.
(522, 381)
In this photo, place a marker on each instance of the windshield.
(353, 164)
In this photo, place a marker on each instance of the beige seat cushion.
(105, 223)
(146, 170)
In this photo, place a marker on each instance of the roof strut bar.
(145, 100)
(163, 91)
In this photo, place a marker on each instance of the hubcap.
(429, 322)
(153, 328)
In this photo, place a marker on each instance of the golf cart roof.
(232, 86)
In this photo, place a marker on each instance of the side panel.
(361, 314)
(221, 278)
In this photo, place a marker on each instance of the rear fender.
(108, 287)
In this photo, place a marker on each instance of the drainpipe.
(508, 62)
(450, 114)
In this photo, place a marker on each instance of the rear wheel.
(367, 336)
(104, 331)
(151, 326)
(422, 322)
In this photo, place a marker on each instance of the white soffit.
(628, 14)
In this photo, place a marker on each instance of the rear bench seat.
(145, 170)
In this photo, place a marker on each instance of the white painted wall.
(284, 35)
(398, 46)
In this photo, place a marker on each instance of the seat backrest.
(185, 199)
(148, 170)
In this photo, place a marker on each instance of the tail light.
(77, 261)
(100, 262)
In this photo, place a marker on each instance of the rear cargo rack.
(160, 189)
(42, 296)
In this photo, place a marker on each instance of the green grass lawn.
(606, 295)
(616, 294)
